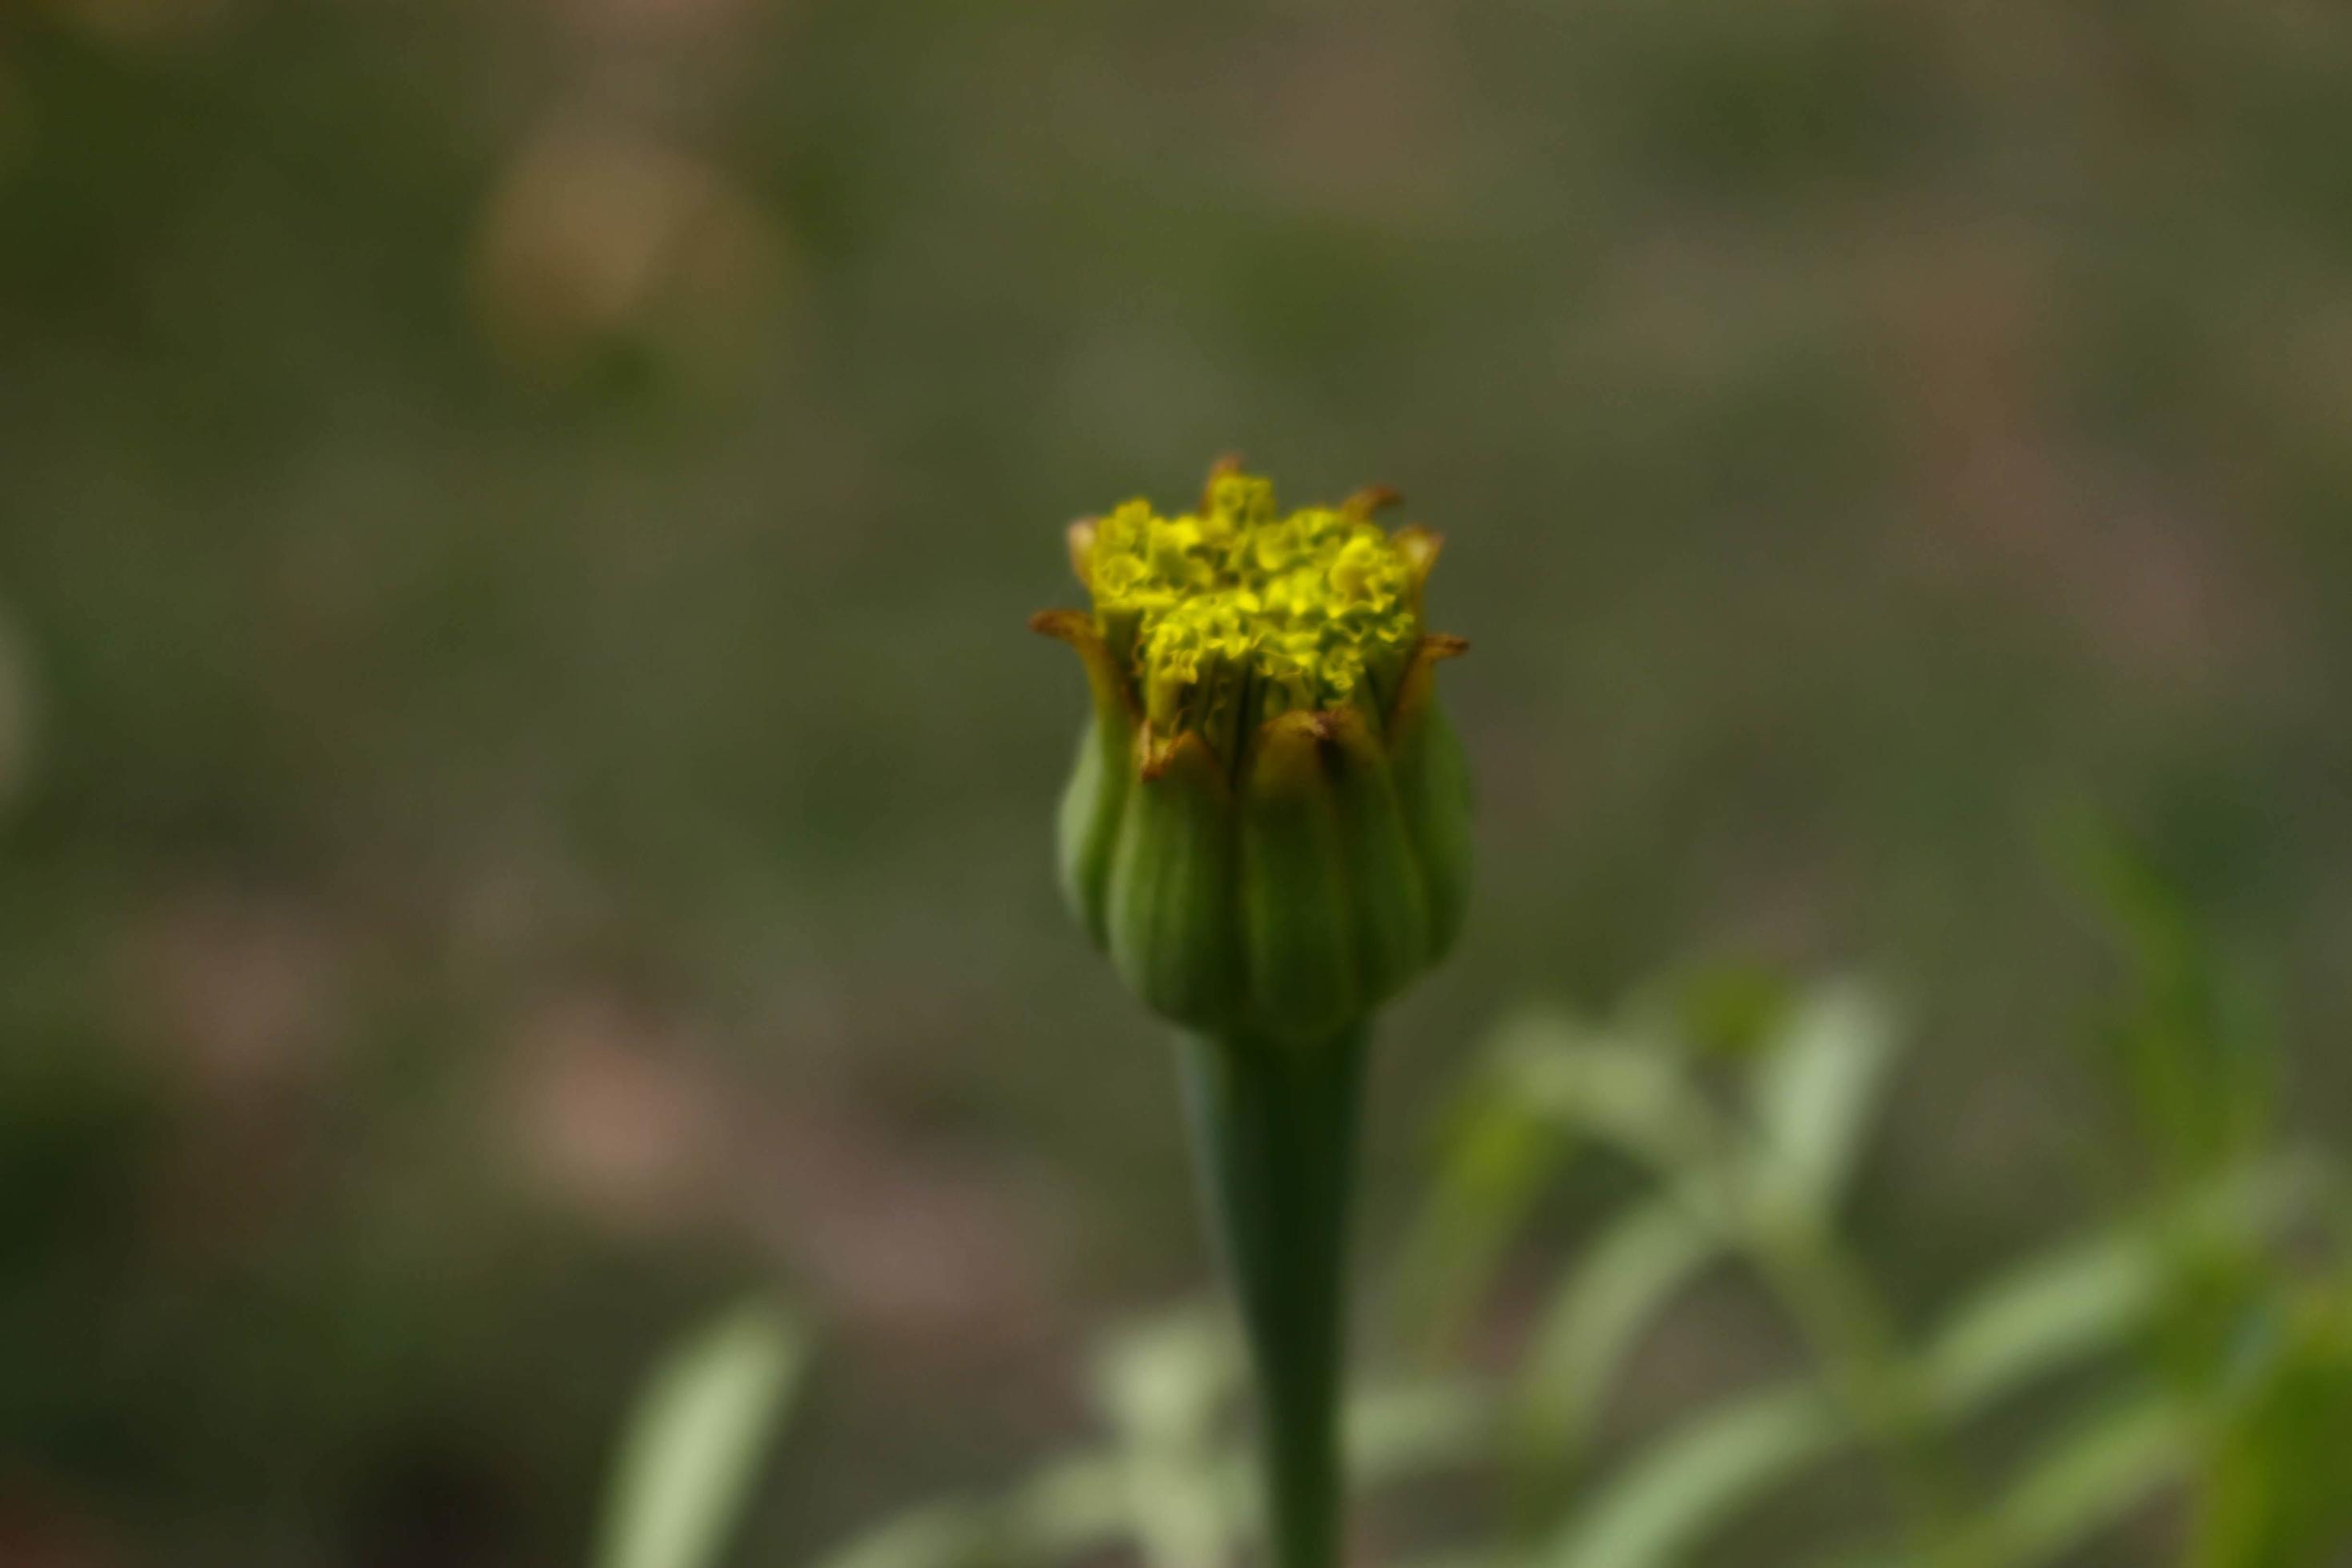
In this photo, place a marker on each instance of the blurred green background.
(526, 793)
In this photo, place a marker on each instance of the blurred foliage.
(694, 1445)
(2276, 1497)
(523, 796)
(2249, 1427)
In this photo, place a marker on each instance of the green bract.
(1267, 827)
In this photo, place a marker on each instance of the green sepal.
(1170, 908)
(1298, 932)
(1304, 892)
(1389, 894)
(1086, 828)
(1433, 790)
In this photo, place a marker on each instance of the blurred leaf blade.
(1493, 1160)
(2090, 1295)
(1592, 1325)
(1817, 1092)
(1069, 1508)
(1678, 1491)
(935, 1535)
(694, 1445)
(1413, 1429)
(1088, 1502)
(1621, 1092)
(2082, 1300)
(2038, 1318)
(2264, 1503)
(1164, 1386)
(2198, 1045)
(2090, 1478)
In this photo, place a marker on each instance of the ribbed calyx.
(1268, 824)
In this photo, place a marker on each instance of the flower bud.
(1267, 827)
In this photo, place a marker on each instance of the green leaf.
(1816, 1091)
(1493, 1160)
(2091, 1295)
(1072, 1508)
(2270, 1500)
(2090, 1477)
(937, 1535)
(691, 1450)
(1165, 1381)
(1394, 1433)
(1591, 1326)
(1626, 1093)
(1549, 1082)
(2095, 1475)
(1676, 1492)
(2075, 1302)
(1084, 1504)
(1164, 1387)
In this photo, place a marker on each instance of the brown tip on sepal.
(1225, 468)
(1371, 498)
(1414, 692)
(1348, 729)
(1298, 735)
(1076, 627)
(1420, 547)
(1287, 752)
(1320, 724)
(1184, 755)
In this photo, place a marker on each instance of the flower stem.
(1274, 1126)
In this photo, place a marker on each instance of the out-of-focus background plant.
(2171, 1386)
(523, 795)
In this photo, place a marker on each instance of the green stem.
(1274, 1125)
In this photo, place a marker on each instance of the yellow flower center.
(1239, 606)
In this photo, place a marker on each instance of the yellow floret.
(1303, 605)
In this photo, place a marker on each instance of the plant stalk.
(1274, 1126)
